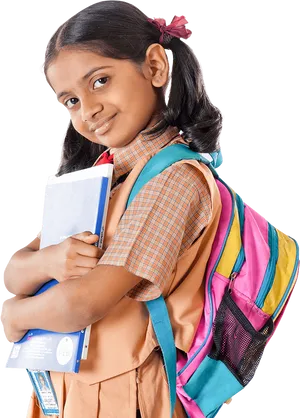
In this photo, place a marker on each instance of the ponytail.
(189, 107)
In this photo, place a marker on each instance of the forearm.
(53, 310)
(26, 272)
(74, 304)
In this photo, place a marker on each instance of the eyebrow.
(63, 93)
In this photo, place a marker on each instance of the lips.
(102, 123)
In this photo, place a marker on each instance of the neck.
(153, 120)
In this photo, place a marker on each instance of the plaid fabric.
(164, 219)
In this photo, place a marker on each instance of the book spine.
(100, 228)
(102, 211)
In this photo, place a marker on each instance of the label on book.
(47, 350)
(44, 390)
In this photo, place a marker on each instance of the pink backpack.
(250, 274)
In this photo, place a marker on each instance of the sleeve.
(164, 219)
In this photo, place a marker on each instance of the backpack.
(249, 278)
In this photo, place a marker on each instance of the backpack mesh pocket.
(236, 341)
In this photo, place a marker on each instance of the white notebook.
(74, 202)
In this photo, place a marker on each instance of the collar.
(125, 158)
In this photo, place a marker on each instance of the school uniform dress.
(165, 237)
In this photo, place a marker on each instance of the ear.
(156, 65)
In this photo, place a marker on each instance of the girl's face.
(120, 91)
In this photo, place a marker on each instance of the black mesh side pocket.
(236, 341)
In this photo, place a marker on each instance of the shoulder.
(181, 178)
(187, 172)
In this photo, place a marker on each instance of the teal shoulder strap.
(157, 308)
(168, 156)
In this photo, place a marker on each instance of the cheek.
(77, 122)
(133, 93)
(81, 128)
(141, 98)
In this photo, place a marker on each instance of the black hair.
(119, 30)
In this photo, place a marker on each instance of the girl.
(108, 66)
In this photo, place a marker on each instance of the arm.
(27, 271)
(29, 268)
(70, 305)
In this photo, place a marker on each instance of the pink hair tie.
(175, 28)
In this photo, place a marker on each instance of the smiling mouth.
(105, 127)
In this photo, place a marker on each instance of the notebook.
(74, 202)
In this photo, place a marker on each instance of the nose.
(90, 106)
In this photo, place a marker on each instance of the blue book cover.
(74, 202)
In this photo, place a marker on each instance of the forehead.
(70, 66)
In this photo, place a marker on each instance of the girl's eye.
(72, 103)
(100, 80)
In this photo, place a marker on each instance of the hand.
(74, 257)
(8, 318)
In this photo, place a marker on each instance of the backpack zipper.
(292, 281)
(269, 277)
(241, 256)
(238, 264)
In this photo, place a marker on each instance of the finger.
(84, 248)
(85, 262)
(91, 239)
(85, 235)
(92, 236)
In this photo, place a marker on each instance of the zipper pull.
(232, 277)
